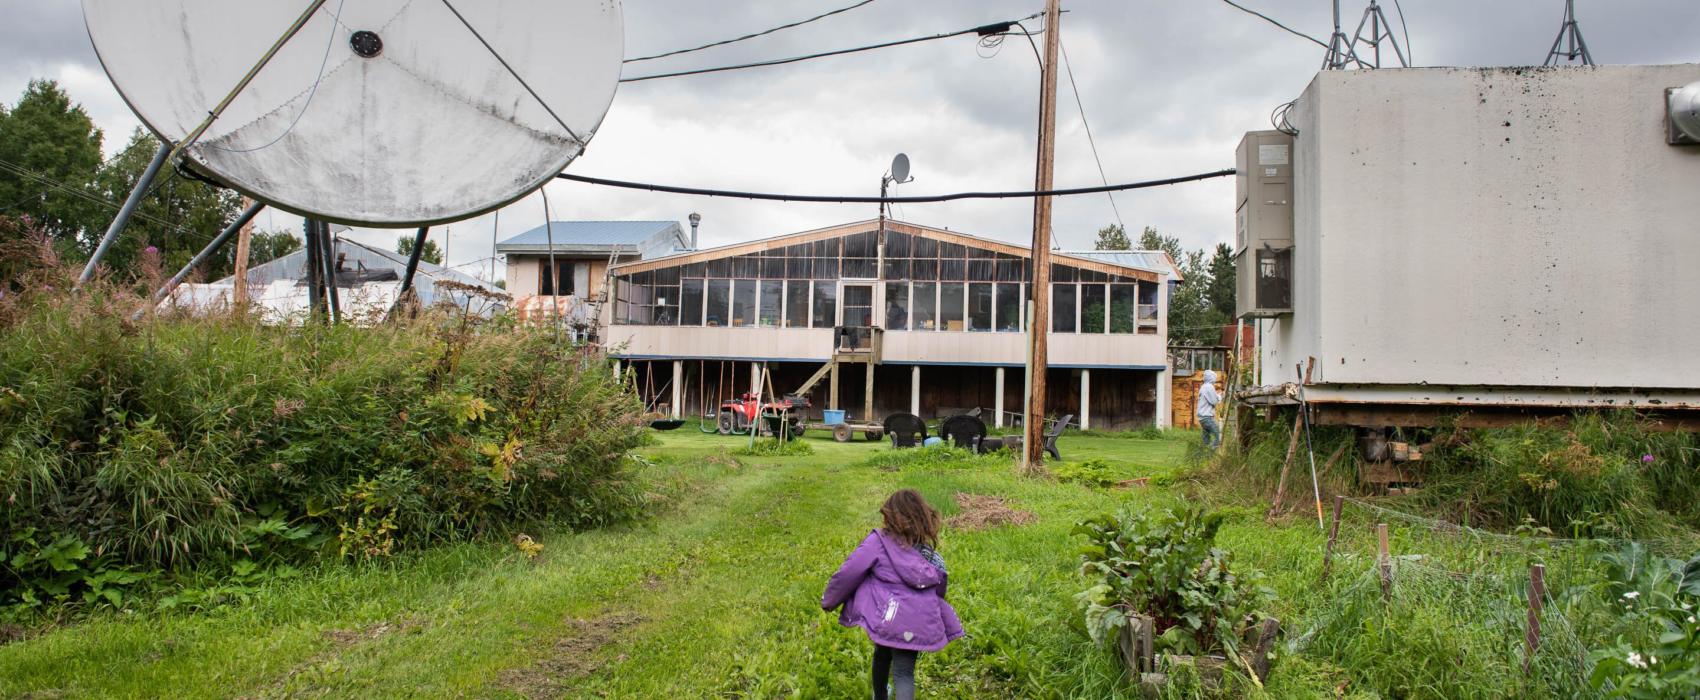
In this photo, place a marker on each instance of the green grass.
(717, 596)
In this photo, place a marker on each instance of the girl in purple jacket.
(893, 587)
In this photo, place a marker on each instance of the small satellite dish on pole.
(900, 169)
(385, 113)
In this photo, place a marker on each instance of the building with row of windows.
(922, 320)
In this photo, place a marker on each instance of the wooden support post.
(1040, 324)
(915, 390)
(997, 399)
(755, 380)
(868, 394)
(239, 286)
(1333, 533)
(1537, 598)
(1287, 464)
(678, 388)
(1384, 561)
(832, 394)
(1085, 399)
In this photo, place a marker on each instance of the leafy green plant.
(1657, 654)
(1092, 472)
(1165, 565)
(39, 570)
(775, 448)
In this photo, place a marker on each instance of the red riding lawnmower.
(737, 415)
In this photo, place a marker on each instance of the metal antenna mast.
(1343, 52)
(1569, 45)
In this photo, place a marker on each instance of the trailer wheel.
(872, 435)
(841, 432)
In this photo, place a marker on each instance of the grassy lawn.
(716, 596)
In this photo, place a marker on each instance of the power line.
(1082, 106)
(983, 30)
(859, 199)
(1271, 20)
(14, 168)
(749, 36)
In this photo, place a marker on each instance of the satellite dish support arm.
(124, 212)
(218, 242)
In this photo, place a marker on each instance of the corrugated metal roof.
(1153, 260)
(357, 256)
(631, 237)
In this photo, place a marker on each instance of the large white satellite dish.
(377, 112)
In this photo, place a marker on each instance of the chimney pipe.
(695, 219)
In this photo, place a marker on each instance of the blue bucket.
(831, 417)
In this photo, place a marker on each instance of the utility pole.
(1039, 322)
(239, 290)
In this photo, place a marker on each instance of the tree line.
(54, 181)
(1204, 302)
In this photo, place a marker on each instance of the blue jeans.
(1212, 431)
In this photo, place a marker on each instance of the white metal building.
(1495, 237)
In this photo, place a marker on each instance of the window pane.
(1092, 308)
(744, 302)
(797, 268)
(1009, 270)
(861, 267)
(825, 304)
(1062, 307)
(1009, 307)
(858, 305)
(925, 308)
(896, 244)
(824, 269)
(797, 304)
(719, 268)
(924, 269)
(950, 306)
(668, 276)
(952, 250)
(924, 247)
(979, 307)
(1123, 302)
(860, 245)
(746, 266)
(953, 269)
(773, 268)
(896, 268)
(691, 296)
(981, 270)
(772, 297)
(666, 306)
(693, 270)
(897, 306)
(719, 297)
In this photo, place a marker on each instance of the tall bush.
(177, 441)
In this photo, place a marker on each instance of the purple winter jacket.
(893, 593)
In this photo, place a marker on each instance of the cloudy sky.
(1169, 86)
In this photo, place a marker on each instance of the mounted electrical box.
(1263, 242)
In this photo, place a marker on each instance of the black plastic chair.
(1056, 431)
(905, 429)
(963, 431)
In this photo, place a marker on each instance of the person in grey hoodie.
(893, 587)
(1206, 408)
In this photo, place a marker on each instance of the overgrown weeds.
(179, 443)
(775, 448)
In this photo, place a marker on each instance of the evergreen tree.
(1112, 237)
(1151, 240)
(49, 157)
(1223, 283)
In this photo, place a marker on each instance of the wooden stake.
(1333, 533)
(1287, 464)
(239, 286)
(1537, 596)
(1384, 561)
(1039, 322)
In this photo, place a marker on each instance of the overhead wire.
(91, 197)
(1069, 69)
(764, 32)
(1273, 21)
(862, 199)
(983, 30)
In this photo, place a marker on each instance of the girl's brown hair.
(910, 519)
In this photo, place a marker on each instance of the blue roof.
(599, 236)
